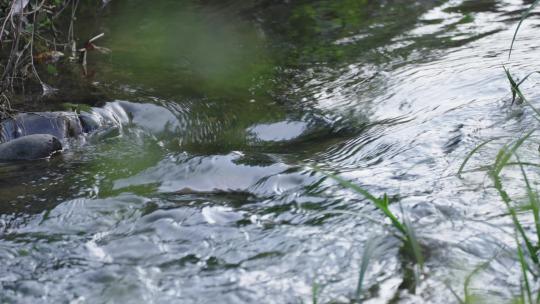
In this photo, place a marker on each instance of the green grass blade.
(407, 231)
(506, 199)
(369, 252)
(468, 157)
(502, 159)
(499, 159)
(504, 155)
(524, 267)
(356, 214)
(381, 204)
(458, 298)
(366, 217)
(525, 164)
(521, 299)
(349, 185)
(315, 290)
(395, 221)
(526, 77)
(537, 116)
(414, 245)
(466, 285)
(515, 89)
(523, 17)
(533, 200)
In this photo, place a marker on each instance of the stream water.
(210, 196)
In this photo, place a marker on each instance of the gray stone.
(90, 122)
(59, 124)
(27, 136)
(30, 147)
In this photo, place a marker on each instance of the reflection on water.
(279, 131)
(206, 194)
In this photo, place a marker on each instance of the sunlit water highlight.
(208, 196)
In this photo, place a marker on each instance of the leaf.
(382, 204)
(369, 252)
(504, 155)
(469, 297)
(315, 289)
(413, 244)
(514, 87)
(524, 267)
(468, 157)
(501, 161)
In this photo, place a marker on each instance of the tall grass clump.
(405, 230)
(402, 229)
(533, 201)
(527, 240)
(527, 246)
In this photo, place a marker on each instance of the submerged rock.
(19, 133)
(59, 124)
(35, 146)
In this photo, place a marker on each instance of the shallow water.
(225, 207)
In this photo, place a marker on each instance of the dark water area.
(209, 195)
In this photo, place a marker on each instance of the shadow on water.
(389, 94)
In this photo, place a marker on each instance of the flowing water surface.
(210, 196)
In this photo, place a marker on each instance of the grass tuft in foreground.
(411, 249)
